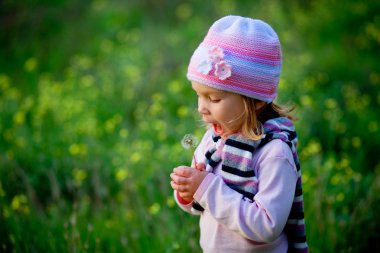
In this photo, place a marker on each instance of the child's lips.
(204, 117)
(217, 129)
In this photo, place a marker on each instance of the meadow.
(94, 103)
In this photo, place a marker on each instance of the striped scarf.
(238, 174)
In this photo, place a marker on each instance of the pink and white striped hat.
(240, 55)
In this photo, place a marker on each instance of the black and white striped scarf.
(238, 174)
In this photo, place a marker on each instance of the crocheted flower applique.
(222, 70)
(215, 60)
(216, 54)
(204, 67)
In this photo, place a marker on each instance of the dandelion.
(190, 141)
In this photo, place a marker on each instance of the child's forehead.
(198, 87)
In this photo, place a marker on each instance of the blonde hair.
(251, 123)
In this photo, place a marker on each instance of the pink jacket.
(233, 224)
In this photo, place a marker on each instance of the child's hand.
(186, 180)
(200, 166)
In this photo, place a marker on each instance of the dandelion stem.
(195, 161)
(189, 141)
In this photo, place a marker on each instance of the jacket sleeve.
(260, 220)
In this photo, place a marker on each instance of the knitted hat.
(240, 55)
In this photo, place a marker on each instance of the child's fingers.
(178, 179)
(178, 187)
(183, 171)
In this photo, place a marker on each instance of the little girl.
(246, 180)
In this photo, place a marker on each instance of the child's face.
(225, 109)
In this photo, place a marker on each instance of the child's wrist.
(183, 201)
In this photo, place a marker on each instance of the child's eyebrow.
(216, 92)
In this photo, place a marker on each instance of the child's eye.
(214, 100)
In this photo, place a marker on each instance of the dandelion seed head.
(189, 141)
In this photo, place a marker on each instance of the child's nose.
(202, 108)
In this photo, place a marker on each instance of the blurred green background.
(94, 103)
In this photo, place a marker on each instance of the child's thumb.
(200, 166)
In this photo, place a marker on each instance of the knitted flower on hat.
(240, 55)
(214, 59)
